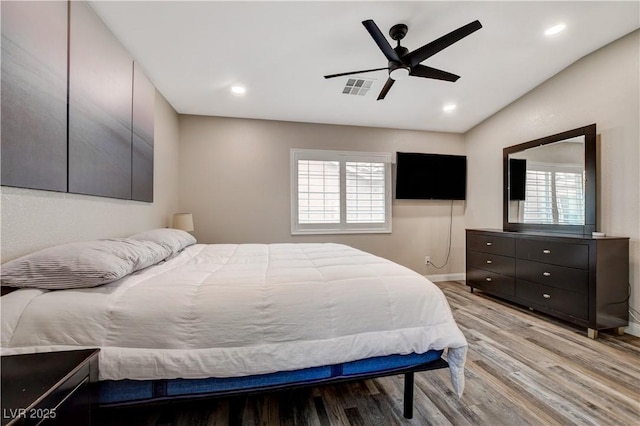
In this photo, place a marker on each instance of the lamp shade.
(183, 221)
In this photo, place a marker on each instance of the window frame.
(342, 157)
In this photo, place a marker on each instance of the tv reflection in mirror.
(547, 184)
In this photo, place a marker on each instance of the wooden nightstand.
(49, 388)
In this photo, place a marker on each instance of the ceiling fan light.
(238, 90)
(399, 73)
(551, 31)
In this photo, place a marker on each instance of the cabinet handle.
(546, 251)
(489, 244)
(546, 274)
(488, 279)
(546, 296)
(489, 262)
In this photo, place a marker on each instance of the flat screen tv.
(430, 176)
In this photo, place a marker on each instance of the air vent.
(356, 86)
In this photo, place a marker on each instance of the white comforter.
(232, 310)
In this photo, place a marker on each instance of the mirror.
(546, 183)
(549, 183)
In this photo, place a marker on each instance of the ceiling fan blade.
(386, 88)
(354, 72)
(381, 40)
(430, 49)
(428, 72)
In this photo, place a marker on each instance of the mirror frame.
(589, 133)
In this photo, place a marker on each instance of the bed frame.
(160, 394)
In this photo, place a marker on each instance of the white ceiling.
(195, 51)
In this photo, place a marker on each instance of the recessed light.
(238, 90)
(449, 107)
(555, 29)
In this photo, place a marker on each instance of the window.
(335, 192)
(554, 195)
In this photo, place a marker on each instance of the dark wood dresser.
(579, 279)
(49, 388)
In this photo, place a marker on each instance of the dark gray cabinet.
(579, 279)
(49, 388)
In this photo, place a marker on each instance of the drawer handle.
(546, 251)
(546, 296)
(546, 274)
(489, 244)
(489, 262)
(488, 279)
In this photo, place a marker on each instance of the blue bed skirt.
(117, 392)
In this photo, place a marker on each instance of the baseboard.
(633, 329)
(446, 277)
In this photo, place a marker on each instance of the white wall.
(32, 220)
(235, 180)
(601, 88)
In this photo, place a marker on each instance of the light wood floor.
(522, 369)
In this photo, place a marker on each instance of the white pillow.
(148, 253)
(174, 239)
(83, 264)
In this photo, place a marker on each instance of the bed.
(196, 320)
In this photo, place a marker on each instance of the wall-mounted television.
(430, 176)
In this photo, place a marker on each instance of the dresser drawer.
(566, 302)
(562, 254)
(490, 281)
(488, 243)
(491, 262)
(571, 279)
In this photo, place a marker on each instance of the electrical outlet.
(427, 260)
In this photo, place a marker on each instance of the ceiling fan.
(403, 63)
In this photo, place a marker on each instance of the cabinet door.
(100, 103)
(75, 409)
(559, 301)
(491, 282)
(142, 161)
(491, 262)
(572, 255)
(34, 94)
(489, 243)
(570, 279)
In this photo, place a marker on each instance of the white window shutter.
(334, 192)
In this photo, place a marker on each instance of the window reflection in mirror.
(547, 184)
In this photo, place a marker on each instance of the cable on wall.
(449, 246)
(633, 312)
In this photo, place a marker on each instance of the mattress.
(228, 310)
